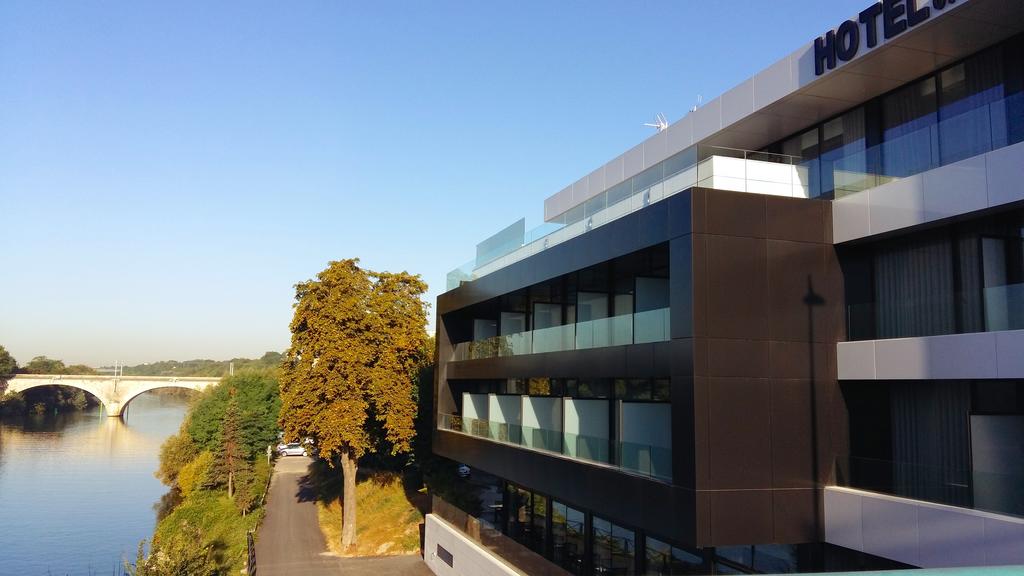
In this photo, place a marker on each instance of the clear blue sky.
(168, 170)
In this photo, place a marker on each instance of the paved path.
(290, 542)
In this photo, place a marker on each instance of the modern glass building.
(786, 334)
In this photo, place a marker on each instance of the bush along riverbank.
(217, 469)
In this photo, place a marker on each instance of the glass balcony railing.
(954, 138)
(707, 166)
(1004, 307)
(644, 459)
(995, 308)
(638, 328)
(976, 489)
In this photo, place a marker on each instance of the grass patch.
(387, 517)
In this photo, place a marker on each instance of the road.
(290, 542)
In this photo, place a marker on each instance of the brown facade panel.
(792, 445)
(741, 358)
(736, 214)
(767, 313)
(796, 291)
(793, 512)
(741, 516)
(739, 443)
(737, 287)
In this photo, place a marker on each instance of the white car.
(291, 449)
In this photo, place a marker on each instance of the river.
(77, 491)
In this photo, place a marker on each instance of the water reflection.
(77, 491)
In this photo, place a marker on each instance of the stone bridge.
(113, 392)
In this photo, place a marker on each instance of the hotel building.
(785, 334)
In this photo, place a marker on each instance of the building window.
(969, 108)
(952, 442)
(567, 535)
(965, 277)
(614, 548)
(663, 559)
(619, 302)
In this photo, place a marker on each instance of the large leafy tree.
(44, 365)
(7, 363)
(348, 379)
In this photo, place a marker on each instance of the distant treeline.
(46, 399)
(270, 360)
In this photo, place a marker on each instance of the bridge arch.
(140, 392)
(113, 393)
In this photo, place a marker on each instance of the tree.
(230, 457)
(175, 453)
(80, 369)
(348, 377)
(43, 365)
(256, 394)
(7, 363)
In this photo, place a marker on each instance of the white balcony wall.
(921, 533)
(978, 355)
(984, 181)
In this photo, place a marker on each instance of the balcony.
(638, 328)
(704, 166)
(573, 427)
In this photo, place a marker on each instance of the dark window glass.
(680, 161)
(909, 142)
(537, 533)
(844, 162)
(620, 192)
(574, 215)
(648, 177)
(614, 548)
(515, 386)
(663, 559)
(593, 388)
(805, 146)
(960, 278)
(567, 534)
(1013, 66)
(633, 389)
(594, 205)
(662, 390)
(519, 516)
(972, 115)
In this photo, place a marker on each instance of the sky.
(169, 170)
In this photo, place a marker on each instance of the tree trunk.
(348, 502)
(231, 485)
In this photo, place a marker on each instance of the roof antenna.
(697, 105)
(659, 122)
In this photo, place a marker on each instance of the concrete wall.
(921, 533)
(468, 557)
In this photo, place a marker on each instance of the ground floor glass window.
(614, 549)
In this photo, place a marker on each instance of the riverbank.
(217, 471)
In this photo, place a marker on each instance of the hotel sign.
(896, 16)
